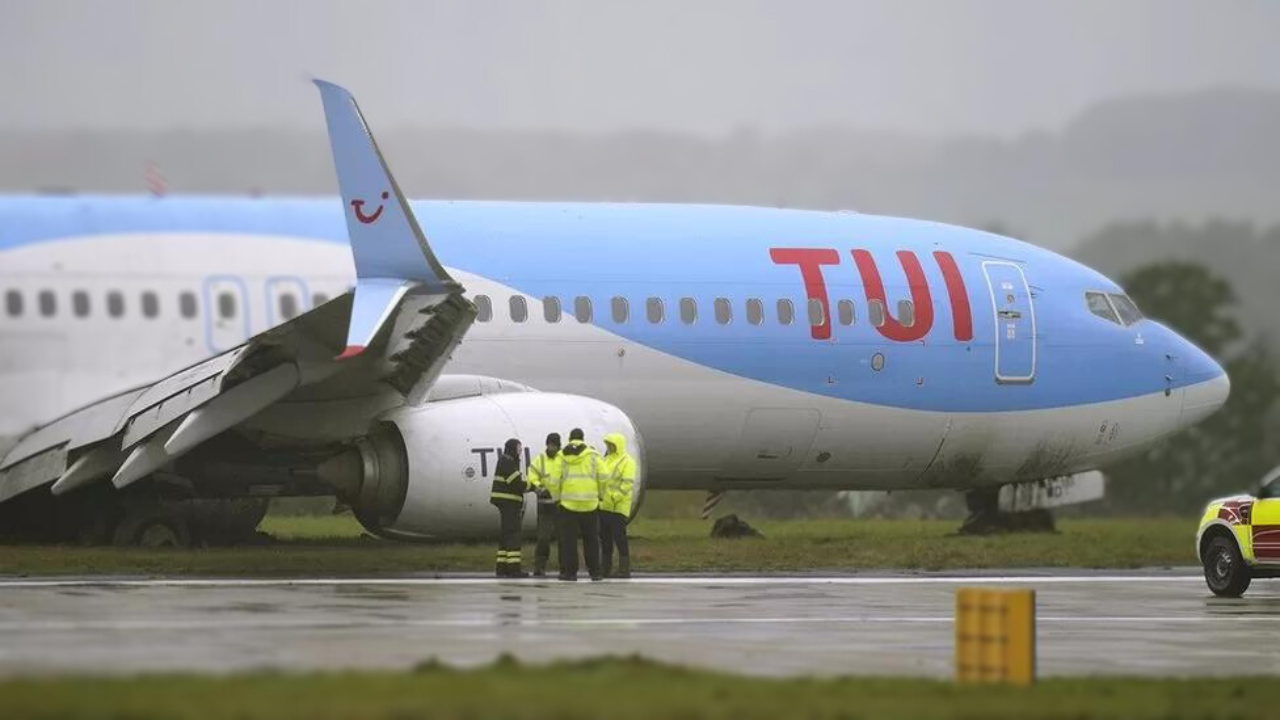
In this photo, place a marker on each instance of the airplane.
(166, 364)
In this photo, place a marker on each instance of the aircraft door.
(226, 304)
(1015, 322)
(773, 444)
(287, 298)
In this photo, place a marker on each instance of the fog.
(990, 67)
(1050, 120)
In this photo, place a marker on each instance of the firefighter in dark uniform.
(507, 494)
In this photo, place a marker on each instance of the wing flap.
(83, 427)
(93, 465)
(33, 471)
(227, 410)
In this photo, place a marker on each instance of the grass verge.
(620, 689)
(308, 546)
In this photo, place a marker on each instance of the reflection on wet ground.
(1145, 624)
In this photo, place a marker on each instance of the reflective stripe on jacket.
(508, 481)
(580, 477)
(619, 477)
(544, 474)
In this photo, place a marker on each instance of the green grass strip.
(622, 689)
(309, 546)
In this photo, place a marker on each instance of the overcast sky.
(937, 66)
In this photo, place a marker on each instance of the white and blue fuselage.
(751, 347)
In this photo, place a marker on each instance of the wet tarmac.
(1162, 623)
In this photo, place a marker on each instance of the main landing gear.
(986, 517)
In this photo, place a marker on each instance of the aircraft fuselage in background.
(751, 347)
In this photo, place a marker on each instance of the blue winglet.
(391, 253)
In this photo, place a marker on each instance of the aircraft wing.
(394, 333)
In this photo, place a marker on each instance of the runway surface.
(1162, 623)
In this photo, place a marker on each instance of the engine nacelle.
(427, 470)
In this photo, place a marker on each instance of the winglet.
(391, 253)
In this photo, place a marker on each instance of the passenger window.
(551, 309)
(786, 312)
(875, 312)
(151, 304)
(80, 303)
(688, 311)
(621, 310)
(13, 303)
(1099, 305)
(1129, 313)
(319, 299)
(115, 303)
(288, 305)
(48, 303)
(653, 310)
(724, 311)
(519, 310)
(187, 304)
(484, 308)
(226, 305)
(906, 313)
(582, 309)
(844, 309)
(755, 311)
(817, 317)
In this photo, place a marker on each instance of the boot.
(606, 564)
(540, 567)
(500, 570)
(516, 571)
(624, 568)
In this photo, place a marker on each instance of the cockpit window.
(1129, 313)
(1099, 305)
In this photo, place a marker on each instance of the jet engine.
(425, 471)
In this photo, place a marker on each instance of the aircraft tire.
(1225, 570)
(152, 527)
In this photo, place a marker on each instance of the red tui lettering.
(810, 262)
(920, 296)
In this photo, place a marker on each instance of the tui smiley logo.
(358, 206)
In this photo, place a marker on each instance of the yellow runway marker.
(995, 636)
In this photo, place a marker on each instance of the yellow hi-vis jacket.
(619, 477)
(580, 477)
(544, 474)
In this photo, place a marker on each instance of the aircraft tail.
(391, 252)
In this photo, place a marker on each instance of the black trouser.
(510, 513)
(546, 533)
(572, 525)
(613, 531)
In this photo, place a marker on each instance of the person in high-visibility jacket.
(580, 476)
(507, 494)
(615, 503)
(544, 478)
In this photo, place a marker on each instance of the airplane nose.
(1208, 386)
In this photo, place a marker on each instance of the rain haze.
(1045, 120)
(983, 67)
(272, 457)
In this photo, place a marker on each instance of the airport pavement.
(1142, 623)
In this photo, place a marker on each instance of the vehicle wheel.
(153, 528)
(1224, 569)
